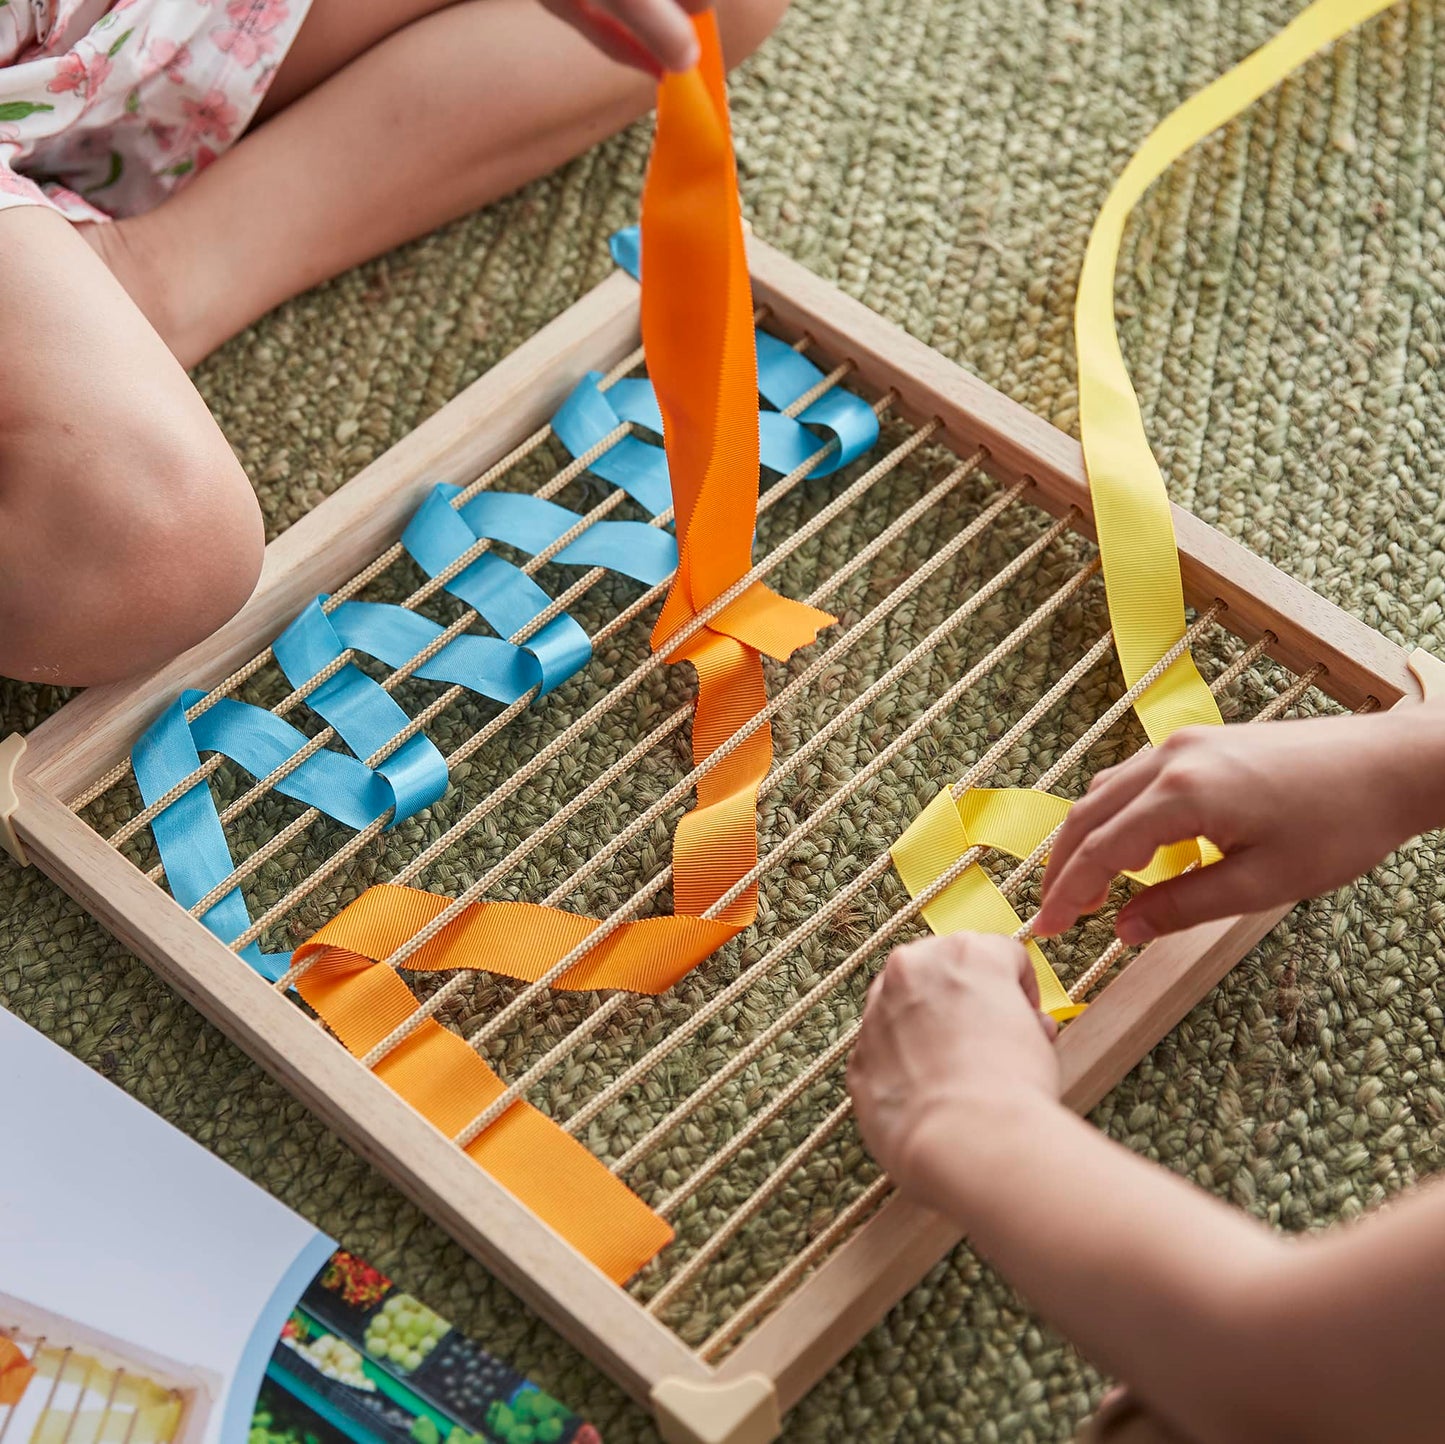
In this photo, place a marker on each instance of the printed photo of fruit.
(364, 1361)
(404, 1331)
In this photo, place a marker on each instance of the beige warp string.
(842, 899)
(584, 724)
(461, 625)
(680, 789)
(794, 837)
(351, 588)
(754, 974)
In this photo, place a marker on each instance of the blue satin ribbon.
(509, 599)
(634, 465)
(365, 716)
(640, 468)
(188, 833)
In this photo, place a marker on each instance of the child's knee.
(204, 544)
(745, 24)
(146, 551)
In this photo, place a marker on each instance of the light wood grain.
(582, 1303)
(351, 527)
(1361, 663)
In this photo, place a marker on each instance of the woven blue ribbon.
(189, 833)
(640, 467)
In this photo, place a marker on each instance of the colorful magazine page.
(376, 1364)
(151, 1295)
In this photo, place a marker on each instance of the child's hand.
(952, 1026)
(650, 35)
(1297, 808)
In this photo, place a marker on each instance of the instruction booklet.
(151, 1295)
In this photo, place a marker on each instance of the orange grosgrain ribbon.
(697, 326)
(16, 1371)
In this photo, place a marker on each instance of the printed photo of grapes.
(362, 1360)
(404, 1331)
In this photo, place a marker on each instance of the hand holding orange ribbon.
(697, 323)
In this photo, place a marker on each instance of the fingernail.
(1133, 931)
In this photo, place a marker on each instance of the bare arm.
(1223, 1327)
(1229, 1330)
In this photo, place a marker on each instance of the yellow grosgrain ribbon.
(1131, 507)
(1133, 520)
(939, 836)
(1009, 820)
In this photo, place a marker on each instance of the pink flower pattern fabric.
(108, 106)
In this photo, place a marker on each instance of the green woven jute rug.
(1282, 298)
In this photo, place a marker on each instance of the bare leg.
(128, 531)
(427, 122)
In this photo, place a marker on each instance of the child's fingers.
(611, 37)
(1233, 886)
(1123, 843)
(1110, 792)
(1028, 979)
(661, 26)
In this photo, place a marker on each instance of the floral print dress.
(107, 106)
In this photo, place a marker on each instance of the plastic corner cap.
(12, 749)
(738, 1411)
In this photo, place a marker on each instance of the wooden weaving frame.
(741, 1399)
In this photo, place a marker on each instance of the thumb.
(1221, 891)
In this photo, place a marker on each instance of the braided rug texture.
(1281, 300)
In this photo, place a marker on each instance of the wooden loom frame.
(741, 1399)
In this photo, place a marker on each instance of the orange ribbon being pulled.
(697, 326)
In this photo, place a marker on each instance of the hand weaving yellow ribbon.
(697, 325)
(1131, 511)
(1008, 820)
